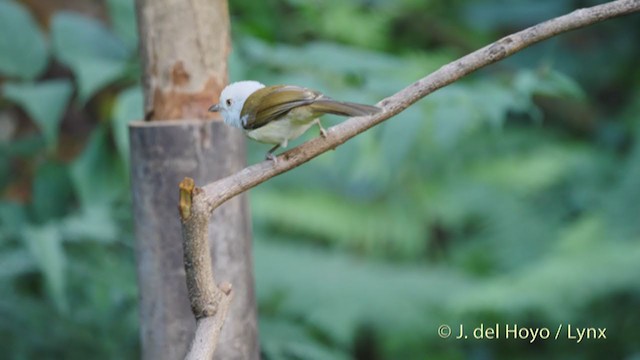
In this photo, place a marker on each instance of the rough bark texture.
(184, 49)
(163, 153)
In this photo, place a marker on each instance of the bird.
(277, 114)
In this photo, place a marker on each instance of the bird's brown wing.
(272, 102)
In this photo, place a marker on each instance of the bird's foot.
(323, 132)
(271, 157)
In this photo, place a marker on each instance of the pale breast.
(280, 131)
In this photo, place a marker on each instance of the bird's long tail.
(342, 108)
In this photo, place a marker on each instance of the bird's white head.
(232, 100)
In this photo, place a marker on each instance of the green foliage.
(25, 44)
(51, 192)
(382, 228)
(63, 247)
(95, 55)
(510, 197)
(490, 14)
(44, 244)
(45, 102)
(97, 174)
(123, 21)
(498, 211)
(332, 295)
(128, 107)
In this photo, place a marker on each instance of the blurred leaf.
(14, 263)
(101, 292)
(13, 218)
(494, 101)
(123, 18)
(8, 127)
(52, 192)
(326, 290)
(399, 136)
(23, 49)
(25, 146)
(530, 172)
(325, 57)
(582, 235)
(290, 340)
(95, 223)
(622, 203)
(453, 114)
(547, 82)
(44, 102)
(254, 22)
(561, 283)
(238, 69)
(97, 175)
(95, 55)
(76, 35)
(346, 22)
(45, 244)
(492, 14)
(382, 229)
(356, 170)
(5, 169)
(128, 107)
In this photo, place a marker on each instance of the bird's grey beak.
(214, 108)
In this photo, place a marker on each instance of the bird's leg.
(270, 155)
(323, 132)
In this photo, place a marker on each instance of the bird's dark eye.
(228, 102)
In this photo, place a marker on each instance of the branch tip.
(225, 287)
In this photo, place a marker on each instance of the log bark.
(184, 48)
(163, 153)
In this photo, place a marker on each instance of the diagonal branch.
(222, 190)
(210, 302)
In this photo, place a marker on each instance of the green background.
(509, 197)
